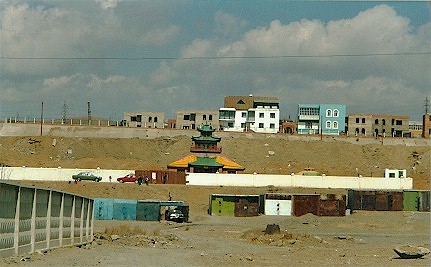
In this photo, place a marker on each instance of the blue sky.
(164, 56)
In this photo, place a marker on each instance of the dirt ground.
(271, 155)
(360, 239)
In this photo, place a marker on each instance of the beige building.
(378, 125)
(192, 119)
(144, 119)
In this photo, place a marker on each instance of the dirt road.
(361, 239)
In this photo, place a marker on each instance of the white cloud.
(57, 82)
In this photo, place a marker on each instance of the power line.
(216, 57)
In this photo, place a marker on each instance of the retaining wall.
(36, 219)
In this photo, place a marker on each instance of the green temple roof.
(205, 161)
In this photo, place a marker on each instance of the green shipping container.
(222, 205)
(148, 211)
(410, 200)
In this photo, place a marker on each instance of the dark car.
(175, 215)
(129, 178)
(86, 176)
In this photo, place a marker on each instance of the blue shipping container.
(103, 208)
(124, 209)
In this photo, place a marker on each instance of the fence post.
(81, 221)
(16, 232)
(72, 222)
(33, 223)
(48, 221)
(60, 227)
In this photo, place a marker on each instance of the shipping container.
(148, 210)
(234, 205)
(332, 205)
(247, 206)
(124, 209)
(103, 208)
(303, 204)
(375, 200)
(278, 204)
(162, 176)
(416, 200)
(154, 210)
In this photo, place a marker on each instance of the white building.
(250, 113)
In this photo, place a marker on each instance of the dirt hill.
(272, 155)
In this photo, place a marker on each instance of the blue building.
(328, 119)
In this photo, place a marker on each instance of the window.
(230, 124)
(272, 115)
(272, 125)
(243, 125)
(376, 121)
(210, 117)
(139, 118)
(335, 113)
(261, 115)
(244, 114)
(150, 119)
(335, 125)
(383, 121)
(193, 116)
(260, 125)
(186, 117)
(328, 113)
(363, 120)
(357, 120)
(133, 118)
(328, 125)
(399, 122)
(155, 119)
(240, 102)
(204, 117)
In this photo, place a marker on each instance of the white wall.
(55, 174)
(259, 180)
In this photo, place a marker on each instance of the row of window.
(332, 113)
(192, 117)
(376, 121)
(332, 125)
(138, 118)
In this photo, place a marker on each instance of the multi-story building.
(144, 119)
(328, 119)
(250, 113)
(415, 128)
(378, 125)
(426, 124)
(192, 119)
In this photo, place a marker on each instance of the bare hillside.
(274, 155)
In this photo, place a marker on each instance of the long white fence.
(34, 219)
(258, 180)
(55, 174)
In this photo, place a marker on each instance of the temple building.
(206, 156)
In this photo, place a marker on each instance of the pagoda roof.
(206, 138)
(206, 161)
(216, 161)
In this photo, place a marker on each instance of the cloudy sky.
(130, 55)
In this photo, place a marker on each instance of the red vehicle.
(129, 178)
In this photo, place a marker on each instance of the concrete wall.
(55, 174)
(259, 180)
(31, 129)
(34, 219)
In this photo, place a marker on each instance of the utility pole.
(89, 112)
(427, 105)
(65, 108)
(41, 120)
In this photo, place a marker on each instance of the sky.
(164, 56)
